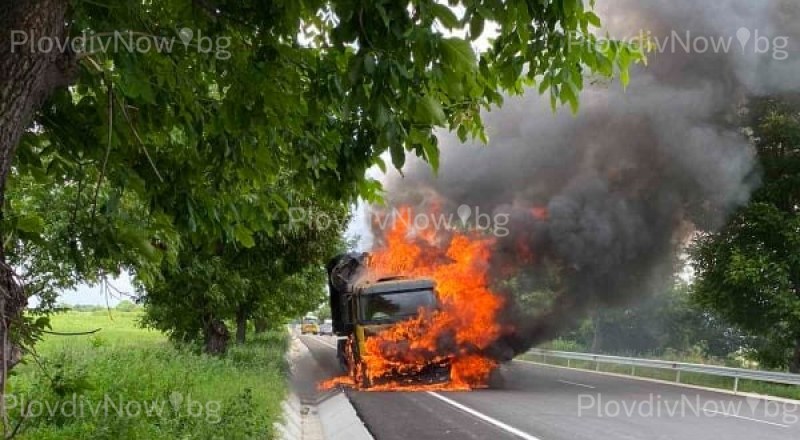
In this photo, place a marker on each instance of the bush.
(126, 306)
(564, 345)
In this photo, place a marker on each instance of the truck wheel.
(365, 380)
(341, 354)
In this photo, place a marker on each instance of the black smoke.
(626, 181)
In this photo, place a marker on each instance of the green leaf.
(458, 54)
(30, 223)
(476, 25)
(569, 94)
(445, 15)
(244, 236)
(381, 164)
(369, 64)
(398, 155)
(431, 154)
(624, 77)
(545, 84)
(430, 111)
(593, 19)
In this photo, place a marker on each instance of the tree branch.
(89, 332)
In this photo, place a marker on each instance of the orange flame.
(540, 213)
(458, 332)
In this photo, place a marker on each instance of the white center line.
(750, 419)
(484, 417)
(576, 384)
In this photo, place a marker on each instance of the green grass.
(125, 382)
(704, 380)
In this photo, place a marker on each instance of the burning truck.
(417, 312)
(363, 307)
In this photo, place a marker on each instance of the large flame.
(463, 327)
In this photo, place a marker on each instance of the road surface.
(538, 402)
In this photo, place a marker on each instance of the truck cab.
(377, 305)
(362, 307)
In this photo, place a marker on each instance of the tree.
(666, 321)
(286, 273)
(323, 311)
(192, 300)
(126, 306)
(749, 271)
(300, 293)
(184, 138)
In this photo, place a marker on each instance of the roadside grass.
(125, 382)
(699, 379)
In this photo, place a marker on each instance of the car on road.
(326, 328)
(309, 325)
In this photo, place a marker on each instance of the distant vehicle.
(309, 325)
(326, 328)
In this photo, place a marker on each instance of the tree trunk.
(794, 366)
(241, 325)
(261, 325)
(31, 68)
(29, 74)
(216, 337)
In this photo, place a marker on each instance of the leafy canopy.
(749, 272)
(167, 161)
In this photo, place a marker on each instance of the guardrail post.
(736, 384)
(568, 363)
(633, 370)
(678, 376)
(596, 364)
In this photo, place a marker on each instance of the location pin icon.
(186, 36)
(743, 35)
(176, 399)
(464, 212)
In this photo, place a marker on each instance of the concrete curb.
(307, 415)
(299, 420)
(291, 428)
(340, 420)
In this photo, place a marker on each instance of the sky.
(85, 294)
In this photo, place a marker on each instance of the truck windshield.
(395, 306)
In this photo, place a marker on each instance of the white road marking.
(484, 417)
(576, 384)
(750, 419)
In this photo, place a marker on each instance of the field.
(125, 382)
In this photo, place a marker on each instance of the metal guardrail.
(678, 367)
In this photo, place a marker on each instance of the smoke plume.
(600, 203)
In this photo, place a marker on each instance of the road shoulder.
(331, 411)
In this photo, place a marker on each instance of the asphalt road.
(536, 402)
